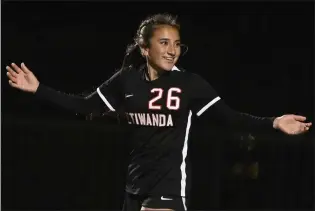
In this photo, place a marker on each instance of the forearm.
(77, 104)
(239, 120)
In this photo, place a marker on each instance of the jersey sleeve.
(110, 92)
(206, 102)
(105, 98)
(203, 96)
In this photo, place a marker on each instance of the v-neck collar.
(144, 72)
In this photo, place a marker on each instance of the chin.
(167, 67)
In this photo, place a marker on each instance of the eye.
(178, 45)
(164, 42)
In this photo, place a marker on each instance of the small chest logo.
(128, 95)
(163, 198)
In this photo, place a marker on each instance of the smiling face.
(164, 48)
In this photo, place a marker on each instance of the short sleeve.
(203, 96)
(111, 91)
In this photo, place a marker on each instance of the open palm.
(292, 124)
(22, 78)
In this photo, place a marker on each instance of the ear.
(144, 52)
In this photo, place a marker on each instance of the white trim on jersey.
(104, 99)
(208, 105)
(184, 203)
(183, 165)
(175, 68)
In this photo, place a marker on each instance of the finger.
(16, 68)
(12, 72)
(306, 124)
(11, 77)
(309, 124)
(306, 128)
(24, 68)
(13, 84)
(299, 118)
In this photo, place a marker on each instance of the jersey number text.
(172, 102)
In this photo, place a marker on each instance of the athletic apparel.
(135, 202)
(160, 114)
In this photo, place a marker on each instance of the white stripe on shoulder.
(208, 105)
(104, 99)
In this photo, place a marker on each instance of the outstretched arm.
(23, 79)
(206, 102)
(289, 124)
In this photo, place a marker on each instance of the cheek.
(178, 51)
(155, 53)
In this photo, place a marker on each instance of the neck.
(153, 73)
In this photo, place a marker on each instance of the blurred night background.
(258, 56)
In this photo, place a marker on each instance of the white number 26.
(172, 102)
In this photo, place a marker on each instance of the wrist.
(36, 88)
(275, 123)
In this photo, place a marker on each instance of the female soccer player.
(159, 101)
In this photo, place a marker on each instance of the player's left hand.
(292, 124)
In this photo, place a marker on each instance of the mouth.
(169, 59)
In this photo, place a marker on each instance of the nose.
(171, 50)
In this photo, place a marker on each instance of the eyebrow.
(163, 39)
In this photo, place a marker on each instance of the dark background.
(258, 56)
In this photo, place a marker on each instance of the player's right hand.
(22, 78)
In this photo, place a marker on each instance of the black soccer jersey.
(159, 112)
